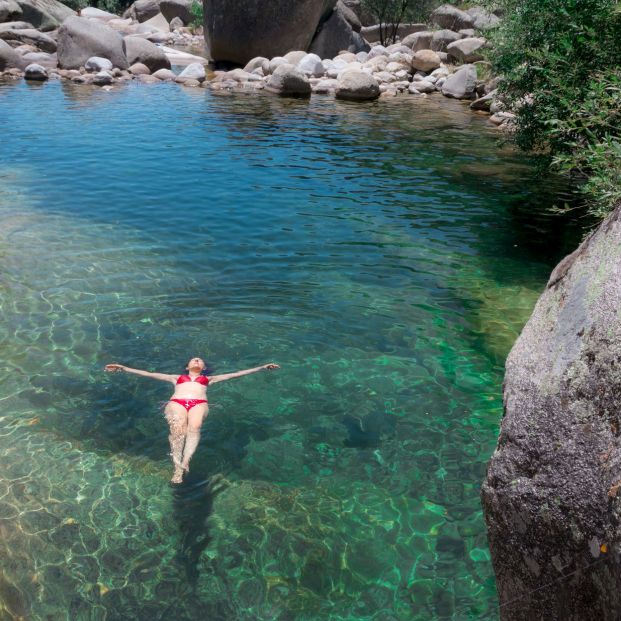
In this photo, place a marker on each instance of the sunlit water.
(386, 255)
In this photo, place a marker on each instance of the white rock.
(195, 71)
(311, 65)
(102, 78)
(97, 63)
(276, 62)
(378, 50)
(35, 72)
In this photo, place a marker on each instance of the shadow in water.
(363, 431)
(192, 505)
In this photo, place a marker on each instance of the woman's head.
(196, 364)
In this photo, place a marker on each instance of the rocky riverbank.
(105, 50)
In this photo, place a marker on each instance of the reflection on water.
(385, 255)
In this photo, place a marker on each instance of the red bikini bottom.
(188, 404)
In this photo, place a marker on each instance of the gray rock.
(468, 32)
(336, 35)
(97, 63)
(16, 26)
(9, 58)
(551, 495)
(483, 20)
(451, 18)
(287, 81)
(238, 30)
(176, 23)
(103, 78)
(276, 62)
(195, 71)
(92, 12)
(372, 33)
(79, 39)
(29, 36)
(165, 75)
(350, 16)
(483, 103)
(324, 87)
(441, 39)
(357, 86)
(36, 73)
(142, 10)
(467, 50)
(423, 86)
(461, 84)
(142, 51)
(418, 40)
(9, 11)
(44, 15)
(255, 63)
(293, 58)
(311, 65)
(49, 61)
(425, 60)
(176, 8)
(377, 50)
(139, 69)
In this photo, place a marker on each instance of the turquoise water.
(385, 255)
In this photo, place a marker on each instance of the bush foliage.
(561, 67)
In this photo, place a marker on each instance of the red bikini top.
(201, 379)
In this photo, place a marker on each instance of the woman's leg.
(193, 435)
(177, 418)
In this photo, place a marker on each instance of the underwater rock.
(551, 497)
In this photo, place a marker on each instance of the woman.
(187, 407)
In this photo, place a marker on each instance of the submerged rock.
(551, 497)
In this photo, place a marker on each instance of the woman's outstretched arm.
(165, 377)
(227, 376)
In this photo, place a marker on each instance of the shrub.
(196, 10)
(561, 67)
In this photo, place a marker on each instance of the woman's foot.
(177, 476)
(185, 467)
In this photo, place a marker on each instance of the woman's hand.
(114, 368)
(271, 366)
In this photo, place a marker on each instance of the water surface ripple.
(386, 255)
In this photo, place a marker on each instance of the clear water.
(385, 255)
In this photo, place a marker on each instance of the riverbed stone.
(102, 78)
(142, 51)
(552, 494)
(97, 63)
(92, 12)
(418, 40)
(143, 10)
(441, 39)
(461, 84)
(294, 57)
(194, 71)
(255, 63)
(325, 86)
(49, 61)
(311, 65)
(165, 74)
(79, 39)
(238, 30)
(10, 11)
(289, 82)
(44, 15)
(357, 86)
(36, 73)
(139, 69)
(9, 58)
(467, 50)
(425, 60)
(451, 18)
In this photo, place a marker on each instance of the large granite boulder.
(483, 19)
(468, 50)
(451, 18)
(336, 35)
(552, 495)
(80, 38)
(139, 50)
(357, 86)
(9, 58)
(10, 10)
(29, 36)
(177, 8)
(44, 15)
(237, 31)
(142, 10)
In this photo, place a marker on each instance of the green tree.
(560, 62)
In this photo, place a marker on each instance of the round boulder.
(35, 72)
(96, 63)
(177, 8)
(447, 16)
(425, 60)
(357, 86)
(311, 65)
(142, 10)
(467, 50)
(194, 71)
(289, 82)
(139, 69)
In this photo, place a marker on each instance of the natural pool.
(386, 255)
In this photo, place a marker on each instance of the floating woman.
(187, 408)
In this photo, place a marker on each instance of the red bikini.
(188, 404)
